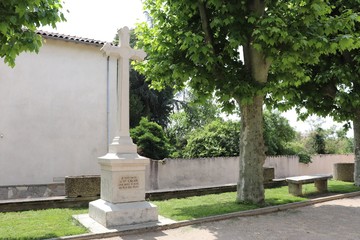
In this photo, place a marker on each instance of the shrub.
(150, 139)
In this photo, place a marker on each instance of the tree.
(200, 45)
(335, 85)
(150, 140)
(319, 141)
(220, 138)
(217, 139)
(191, 116)
(150, 103)
(277, 134)
(19, 21)
(333, 141)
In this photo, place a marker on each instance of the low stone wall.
(32, 191)
(170, 174)
(200, 172)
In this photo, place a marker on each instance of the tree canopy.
(198, 43)
(19, 21)
(334, 88)
(150, 103)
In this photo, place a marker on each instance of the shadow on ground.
(327, 222)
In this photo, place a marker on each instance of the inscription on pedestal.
(128, 182)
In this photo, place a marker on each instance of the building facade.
(55, 111)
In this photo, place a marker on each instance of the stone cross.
(124, 53)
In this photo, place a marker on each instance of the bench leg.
(295, 189)
(321, 185)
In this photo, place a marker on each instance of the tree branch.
(205, 24)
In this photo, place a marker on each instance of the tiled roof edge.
(69, 38)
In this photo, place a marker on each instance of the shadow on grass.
(211, 209)
(45, 236)
(198, 211)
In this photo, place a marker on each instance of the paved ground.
(339, 219)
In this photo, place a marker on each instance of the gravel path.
(334, 220)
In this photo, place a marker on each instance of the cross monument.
(122, 169)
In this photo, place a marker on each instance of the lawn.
(58, 222)
(40, 224)
(215, 204)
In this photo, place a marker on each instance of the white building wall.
(53, 113)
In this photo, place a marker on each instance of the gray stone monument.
(122, 169)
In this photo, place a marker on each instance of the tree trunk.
(250, 186)
(356, 125)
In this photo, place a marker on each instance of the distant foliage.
(322, 141)
(318, 141)
(277, 134)
(304, 158)
(216, 139)
(145, 102)
(192, 115)
(150, 139)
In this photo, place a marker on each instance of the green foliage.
(333, 86)
(194, 114)
(321, 141)
(221, 138)
(216, 139)
(145, 102)
(277, 134)
(150, 139)
(304, 158)
(19, 21)
(201, 42)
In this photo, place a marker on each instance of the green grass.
(215, 204)
(53, 223)
(40, 224)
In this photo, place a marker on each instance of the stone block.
(82, 186)
(120, 214)
(344, 172)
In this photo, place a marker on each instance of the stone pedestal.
(122, 169)
(122, 191)
(110, 215)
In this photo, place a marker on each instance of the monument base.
(110, 214)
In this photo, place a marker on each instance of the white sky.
(100, 19)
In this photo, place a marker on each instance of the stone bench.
(295, 183)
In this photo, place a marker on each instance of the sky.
(100, 20)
